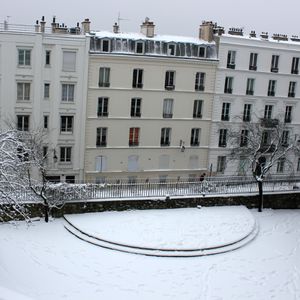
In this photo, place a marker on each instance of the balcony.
(199, 87)
(249, 92)
(269, 123)
(253, 68)
(288, 120)
(231, 66)
(101, 144)
(104, 84)
(169, 87)
(295, 71)
(228, 90)
(246, 118)
(167, 116)
(197, 116)
(271, 93)
(291, 95)
(137, 86)
(274, 70)
(225, 117)
(222, 144)
(133, 144)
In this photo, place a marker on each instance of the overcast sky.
(170, 16)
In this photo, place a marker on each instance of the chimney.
(206, 31)
(54, 25)
(147, 28)
(86, 26)
(116, 28)
(252, 34)
(37, 26)
(43, 24)
(235, 31)
(264, 35)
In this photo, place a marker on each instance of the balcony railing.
(231, 66)
(269, 123)
(252, 68)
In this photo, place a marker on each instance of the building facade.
(149, 105)
(43, 84)
(257, 77)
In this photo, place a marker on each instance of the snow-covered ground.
(44, 261)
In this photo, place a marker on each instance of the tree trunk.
(46, 211)
(261, 198)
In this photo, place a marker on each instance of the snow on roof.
(140, 36)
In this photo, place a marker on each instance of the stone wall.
(275, 201)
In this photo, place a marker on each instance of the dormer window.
(139, 47)
(201, 52)
(105, 45)
(171, 49)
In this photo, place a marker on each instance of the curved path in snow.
(181, 232)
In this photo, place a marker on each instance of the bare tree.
(262, 145)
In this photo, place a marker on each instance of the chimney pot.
(147, 28)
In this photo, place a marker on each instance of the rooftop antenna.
(121, 19)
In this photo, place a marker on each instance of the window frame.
(225, 114)
(24, 57)
(200, 81)
(268, 111)
(228, 85)
(102, 107)
(170, 80)
(250, 86)
(231, 56)
(66, 124)
(24, 125)
(23, 91)
(223, 138)
(197, 109)
(135, 107)
(165, 137)
(101, 136)
(221, 164)
(253, 61)
(168, 105)
(195, 137)
(247, 112)
(104, 77)
(292, 89)
(134, 136)
(272, 87)
(65, 154)
(274, 63)
(137, 78)
(67, 92)
(66, 62)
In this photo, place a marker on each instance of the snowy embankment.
(43, 261)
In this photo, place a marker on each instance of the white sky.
(170, 16)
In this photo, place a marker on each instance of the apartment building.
(149, 105)
(257, 77)
(43, 86)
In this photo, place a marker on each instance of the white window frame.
(200, 81)
(25, 119)
(46, 90)
(165, 138)
(23, 91)
(66, 124)
(101, 137)
(102, 107)
(104, 77)
(221, 164)
(135, 107)
(69, 63)
(225, 114)
(24, 57)
(67, 92)
(168, 108)
(65, 155)
(197, 108)
(102, 45)
(195, 137)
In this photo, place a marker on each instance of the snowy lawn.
(44, 261)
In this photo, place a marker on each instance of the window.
(285, 138)
(193, 162)
(271, 87)
(137, 79)
(250, 86)
(171, 49)
(231, 59)
(298, 165)
(280, 165)
(274, 63)
(164, 161)
(104, 77)
(168, 108)
(46, 90)
(23, 122)
(139, 47)
(102, 107)
(225, 111)
(265, 138)
(135, 110)
(223, 138)
(46, 122)
(292, 89)
(197, 110)
(105, 45)
(228, 85)
(268, 111)
(170, 80)
(45, 153)
(70, 179)
(295, 65)
(288, 114)
(65, 154)
(69, 61)
(23, 91)
(47, 58)
(201, 51)
(24, 57)
(66, 124)
(100, 163)
(101, 137)
(133, 163)
(134, 136)
(165, 137)
(195, 136)
(200, 81)
(247, 113)
(244, 138)
(67, 94)
(221, 164)
(253, 61)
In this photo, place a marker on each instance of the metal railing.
(182, 188)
